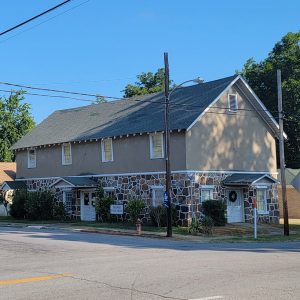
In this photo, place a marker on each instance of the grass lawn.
(229, 233)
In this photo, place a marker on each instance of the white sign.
(116, 209)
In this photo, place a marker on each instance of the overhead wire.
(35, 17)
(32, 27)
(119, 98)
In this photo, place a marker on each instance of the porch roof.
(75, 182)
(246, 179)
(13, 185)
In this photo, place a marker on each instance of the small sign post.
(255, 218)
(166, 199)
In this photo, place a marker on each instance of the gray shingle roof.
(16, 185)
(80, 181)
(126, 116)
(245, 179)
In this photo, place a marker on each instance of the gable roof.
(246, 179)
(75, 182)
(13, 185)
(135, 115)
(7, 171)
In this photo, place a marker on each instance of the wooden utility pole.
(281, 154)
(167, 146)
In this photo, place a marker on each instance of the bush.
(59, 211)
(207, 224)
(102, 207)
(203, 226)
(158, 215)
(195, 227)
(39, 205)
(215, 209)
(135, 208)
(17, 208)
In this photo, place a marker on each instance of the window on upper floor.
(66, 154)
(232, 102)
(31, 159)
(107, 150)
(156, 145)
(261, 200)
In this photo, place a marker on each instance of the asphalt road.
(56, 264)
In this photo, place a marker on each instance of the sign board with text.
(116, 209)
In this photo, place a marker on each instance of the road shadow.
(150, 243)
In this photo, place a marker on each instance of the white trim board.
(154, 173)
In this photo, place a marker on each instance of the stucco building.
(222, 147)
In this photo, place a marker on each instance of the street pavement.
(60, 264)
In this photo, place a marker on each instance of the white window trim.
(64, 163)
(103, 153)
(264, 188)
(151, 145)
(236, 101)
(156, 187)
(206, 187)
(29, 166)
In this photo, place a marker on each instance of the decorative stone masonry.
(273, 214)
(186, 193)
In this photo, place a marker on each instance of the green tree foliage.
(147, 83)
(262, 78)
(102, 205)
(135, 208)
(15, 122)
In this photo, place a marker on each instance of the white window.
(261, 200)
(109, 191)
(31, 158)
(107, 150)
(66, 154)
(232, 102)
(158, 195)
(156, 146)
(67, 200)
(207, 193)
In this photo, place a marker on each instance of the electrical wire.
(49, 19)
(35, 17)
(129, 99)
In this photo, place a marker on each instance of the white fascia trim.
(266, 175)
(61, 179)
(216, 99)
(154, 173)
(3, 185)
(261, 104)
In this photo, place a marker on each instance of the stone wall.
(186, 193)
(273, 215)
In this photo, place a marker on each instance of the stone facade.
(186, 193)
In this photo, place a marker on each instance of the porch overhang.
(13, 185)
(248, 179)
(74, 182)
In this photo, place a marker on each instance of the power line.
(129, 99)
(137, 100)
(58, 91)
(35, 17)
(44, 21)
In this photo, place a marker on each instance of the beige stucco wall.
(131, 154)
(231, 141)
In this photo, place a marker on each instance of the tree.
(99, 99)
(15, 122)
(262, 78)
(147, 83)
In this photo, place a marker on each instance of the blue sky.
(100, 46)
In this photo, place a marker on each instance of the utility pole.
(167, 147)
(281, 154)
